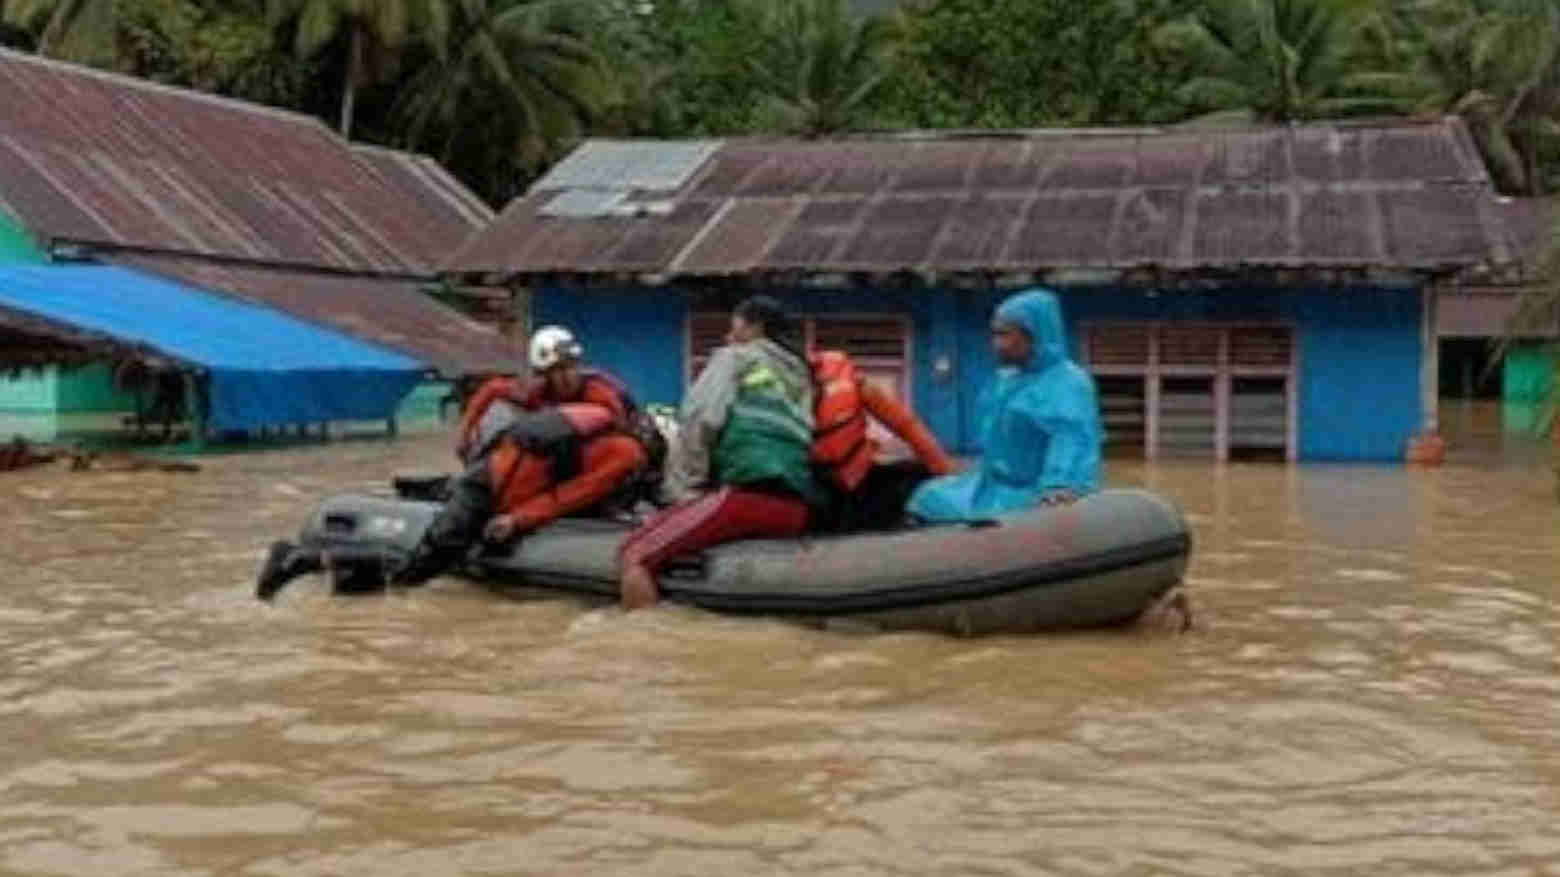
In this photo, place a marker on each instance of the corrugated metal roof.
(654, 165)
(1533, 222)
(582, 203)
(104, 159)
(1400, 195)
(391, 312)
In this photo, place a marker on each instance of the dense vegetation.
(497, 88)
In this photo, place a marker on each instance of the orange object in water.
(1426, 449)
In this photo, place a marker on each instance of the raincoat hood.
(1038, 425)
(1037, 312)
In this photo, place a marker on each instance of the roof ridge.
(448, 186)
(954, 135)
(164, 88)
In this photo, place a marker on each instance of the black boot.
(283, 563)
(357, 571)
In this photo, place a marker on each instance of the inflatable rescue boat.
(1099, 561)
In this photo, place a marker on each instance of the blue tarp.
(264, 367)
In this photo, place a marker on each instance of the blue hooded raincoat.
(1039, 427)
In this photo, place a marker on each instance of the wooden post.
(1222, 391)
(1151, 396)
(194, 413)
(520, 305)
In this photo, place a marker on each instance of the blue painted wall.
(636, 334)
(1359, 349)
(1359, 356)
(1359, 374)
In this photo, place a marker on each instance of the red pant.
(726, 515)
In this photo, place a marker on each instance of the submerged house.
(1475, 316)
(1251, 293)
(154, 194)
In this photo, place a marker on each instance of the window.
(1193, 390)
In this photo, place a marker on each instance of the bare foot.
(1171, 613)
(637, 588)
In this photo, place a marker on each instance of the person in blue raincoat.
(1038, 423)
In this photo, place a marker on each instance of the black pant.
(456, 527)
(878, 503)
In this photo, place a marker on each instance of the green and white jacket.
(747, 419)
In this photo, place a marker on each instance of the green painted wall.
(27, 400)
(421, 405)
(91, 388)
(15, 244)
(1529, 372)
(52, 402)
(1529, 379)
(27, 405)
(29, 391)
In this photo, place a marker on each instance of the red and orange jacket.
(598, 388)
(840, 440)
(524, 483)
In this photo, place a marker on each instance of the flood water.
(1374, 691)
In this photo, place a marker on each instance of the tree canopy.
(496, 89)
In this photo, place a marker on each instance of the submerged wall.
(1359, 349)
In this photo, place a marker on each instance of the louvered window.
(1195, 390)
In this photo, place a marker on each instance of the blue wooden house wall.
(1359, 349)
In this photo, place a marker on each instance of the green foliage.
(16, 37)
(818, 69)
(81, 30)
(225, 48)
(372, 33)
(680, 66)
(1494, 63)
(1278, 60)
(497, 89)
(1021, 63)
(521, 67)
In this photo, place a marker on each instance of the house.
(1238, 294)
(1475, 316)
(217, 196)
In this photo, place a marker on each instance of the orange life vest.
(840, 442)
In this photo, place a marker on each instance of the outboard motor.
(363, 538)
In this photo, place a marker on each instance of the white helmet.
(550, 345)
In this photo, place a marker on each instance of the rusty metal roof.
(1532, 222)
(1405, 195)
(111, 161)
(392, 312)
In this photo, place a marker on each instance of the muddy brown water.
(1374, 691)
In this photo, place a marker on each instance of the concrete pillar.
(1430, 360)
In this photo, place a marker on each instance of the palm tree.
(823, 64)
(1493, 62)
(78, 30)
(512, 81)
(376, 31)
(1276, 60)
(1533, 108)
